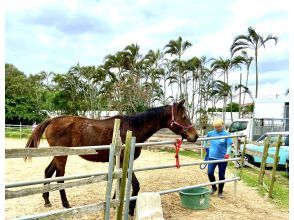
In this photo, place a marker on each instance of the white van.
(254, 128)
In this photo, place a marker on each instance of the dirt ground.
(248, 204)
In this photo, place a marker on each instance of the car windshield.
(274, 139)
(261, 139)
(238, 126)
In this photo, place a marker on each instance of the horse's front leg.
(136, 189)
(60, 171)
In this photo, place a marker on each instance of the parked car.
(287, 165)
(283, 153)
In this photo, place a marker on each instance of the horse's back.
(74, 131)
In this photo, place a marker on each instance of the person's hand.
(227, 156)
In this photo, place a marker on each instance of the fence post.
(236, 165)
(263, 161)
(129, 183)
(109, 183)
(124, 174)
(19, 130)
(201, 148)
(116, 139)
(276, 162)
(243, 155)
(114, 151)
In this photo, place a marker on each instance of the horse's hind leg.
(49, 171)
(60, 171)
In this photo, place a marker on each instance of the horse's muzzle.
(191, 138)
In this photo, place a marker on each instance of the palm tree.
(251, 41)
(153, 62)
(225, 65)
(193, 65)
(247, 60)
(134, 62)
(118, 62)
(204, 77)
(246, 90)
(224, 90)
(177, 48)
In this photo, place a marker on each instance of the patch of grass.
(281, 186)
(250, 177)
(15, 133)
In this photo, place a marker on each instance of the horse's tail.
(35, 138)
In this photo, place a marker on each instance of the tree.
(132, 60)
(247, 60)
(251, 41)
(225, 65)
(154, 71)
(23, 96)
(177, 48)
(116, 64)
(224, 90)
(233, 107)
(194, 65)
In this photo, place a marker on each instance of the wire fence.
(18, 131)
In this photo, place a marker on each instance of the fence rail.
(256, 153)
(116, 174)
(18, 131)
(80, 150)
(9, 194)
(84, 179)
(60, 214)
(234, 179)
(260, 144)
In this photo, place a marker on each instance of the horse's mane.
(136, 120)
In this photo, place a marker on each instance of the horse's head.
(180, 123)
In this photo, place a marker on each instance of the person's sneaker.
(220, 195)
(212, 191)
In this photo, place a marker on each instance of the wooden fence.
(264, 155)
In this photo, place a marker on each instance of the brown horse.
(72, 131)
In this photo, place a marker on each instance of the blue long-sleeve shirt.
(218, 148)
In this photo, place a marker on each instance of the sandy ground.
(247, 205)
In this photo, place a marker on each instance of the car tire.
(287, 167)
(249, 159)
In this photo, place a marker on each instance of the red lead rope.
(177, 148)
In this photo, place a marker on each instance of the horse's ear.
(181, 103)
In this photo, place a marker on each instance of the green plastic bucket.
(195, 198)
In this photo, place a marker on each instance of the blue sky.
(53, 35)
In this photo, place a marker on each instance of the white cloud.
(52, 35)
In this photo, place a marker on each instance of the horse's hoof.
(66, 206)
(48, 204)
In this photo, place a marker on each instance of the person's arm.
(229, 148)
(205, 142)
